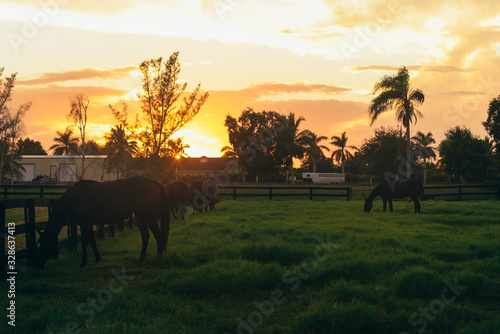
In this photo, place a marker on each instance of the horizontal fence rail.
(40, 191)
(461, 192)
(285, 191)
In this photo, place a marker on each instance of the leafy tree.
(462, 153)
(396, 93)
(290, 141)
(163, 114)
(422, 142)
(492, 123)
(489, 158)
(313, 148)
(342, 154)
(78, 113)
(381, 153)
(30, 147)
(254, 142)
(11, 125)
(65, 143)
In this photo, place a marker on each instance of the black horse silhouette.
(389, 190)
(179, 196)
(91, 202)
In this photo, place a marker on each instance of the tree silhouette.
(313, 149)
(422, 142)
(163, 113)
(120, 149)
(492, 123)
(342, 154)
(65, 143)
(291, 141)
(396, 93)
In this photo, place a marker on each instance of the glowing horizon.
(318, 59)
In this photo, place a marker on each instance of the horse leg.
(385, 203)
(182, 209)
(85, 239)
(417, 205)
(157, 234)
(145, 237)
(93, 244)
(390, 204)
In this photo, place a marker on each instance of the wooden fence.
(30, 226)
(41, 191)
(286, 191)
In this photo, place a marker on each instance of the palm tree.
(120, 149)
(342, 154)
(293, 140)
(65, 143)
(395, 93)
(423, 142)
(313, 149)
(490, 146)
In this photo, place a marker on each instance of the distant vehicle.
(41, 179)
(323, 177)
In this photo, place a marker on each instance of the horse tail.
(165, 216)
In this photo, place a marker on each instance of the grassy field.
(281, 266)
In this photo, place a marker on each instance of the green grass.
(282, 266)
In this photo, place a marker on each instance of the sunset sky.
(317, 58)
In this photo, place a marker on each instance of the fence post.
(3, 232)
(460, 192)
(30, 222)
(234, 194)
(270, 193)
(41, 191)
(52, 203)
(311, 193)
(348, 193)
(5, 192)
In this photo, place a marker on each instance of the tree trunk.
(408, 160)
(425, 171)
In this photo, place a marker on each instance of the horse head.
(44, 250)
(368, 205)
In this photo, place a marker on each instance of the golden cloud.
(80, 74)
(427, 68)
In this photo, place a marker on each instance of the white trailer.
(323, 177)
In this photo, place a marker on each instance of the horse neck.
(375, 192)
(57, 221)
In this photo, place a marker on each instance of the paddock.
(284, 265)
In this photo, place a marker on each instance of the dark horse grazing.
(389, 190)
(210, 191)
(179, 196)
(91, 202)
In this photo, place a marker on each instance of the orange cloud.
(256, 91)
(80, 74)
(101, 7)
(427, 68)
